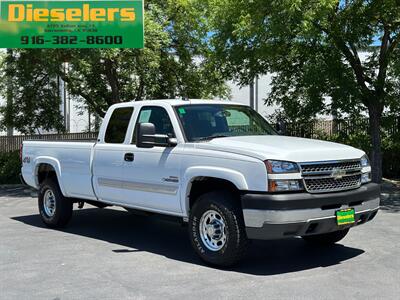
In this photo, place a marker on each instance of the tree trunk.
(112, 77)
(375, 118)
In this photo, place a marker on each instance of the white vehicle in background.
(217, 165)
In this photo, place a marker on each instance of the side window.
(159, 117)
(118, 125)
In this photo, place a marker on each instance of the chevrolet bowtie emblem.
(338, 174)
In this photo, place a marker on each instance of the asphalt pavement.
(112, 254)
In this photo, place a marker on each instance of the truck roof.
(178, 102)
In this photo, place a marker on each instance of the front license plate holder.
(345, 217)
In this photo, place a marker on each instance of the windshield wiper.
(209, 138)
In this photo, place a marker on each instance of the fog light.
(365, 178)
(285, 185)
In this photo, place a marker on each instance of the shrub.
(10, 167)
(361, 140)
(391, 156)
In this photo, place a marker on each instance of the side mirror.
(146, 137)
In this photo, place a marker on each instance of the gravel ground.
(110, 254)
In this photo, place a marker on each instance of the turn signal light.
(284, 185)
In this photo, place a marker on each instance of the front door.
(152, 177)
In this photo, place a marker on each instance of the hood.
(282, 148)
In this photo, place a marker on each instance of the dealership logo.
(48, 24)
(86, 13)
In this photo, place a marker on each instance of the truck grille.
(327, 168)
(325, 177)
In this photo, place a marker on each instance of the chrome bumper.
(257, 218)
(269, 216)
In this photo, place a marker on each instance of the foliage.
(351, 130)
(316, 50)
(390, 149)
(10, 167)
(34, 93)
(173, 63)
(391, 156)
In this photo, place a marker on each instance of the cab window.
(118, 125)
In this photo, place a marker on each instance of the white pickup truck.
(216, 165)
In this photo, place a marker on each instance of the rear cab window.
(118, 125)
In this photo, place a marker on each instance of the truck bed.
(73, 160)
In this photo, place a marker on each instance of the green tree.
(33, 91)
(173, 63)
(346, 50)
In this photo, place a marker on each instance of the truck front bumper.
(276, 216)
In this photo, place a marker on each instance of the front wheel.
(55, 210)
(217, 230)
(326, 239)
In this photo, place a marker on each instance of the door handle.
(129, 157)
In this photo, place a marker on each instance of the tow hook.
(81, 204)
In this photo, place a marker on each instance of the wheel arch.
(208, 179)
(46, 167)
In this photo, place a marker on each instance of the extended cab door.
(109, 156)
(151, 179)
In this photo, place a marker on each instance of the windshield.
(207, 121)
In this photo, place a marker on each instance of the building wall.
(76, 116)
(242, 94)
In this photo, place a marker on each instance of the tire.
(326, 239)
(58, 213)
(231, 243)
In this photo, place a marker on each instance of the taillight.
(20, 152)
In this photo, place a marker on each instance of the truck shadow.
(390, 202)
(390, 196)
(132, 234)
(17, 191)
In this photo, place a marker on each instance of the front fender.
(235, 177)
(56, 166)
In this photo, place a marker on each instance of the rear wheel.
(217, 230)
(55, 210)
(326, 239)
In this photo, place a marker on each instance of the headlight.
(365, 161)
(366, 176)
(279, 167)
(284, 185)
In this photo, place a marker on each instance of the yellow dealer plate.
(345, 216)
